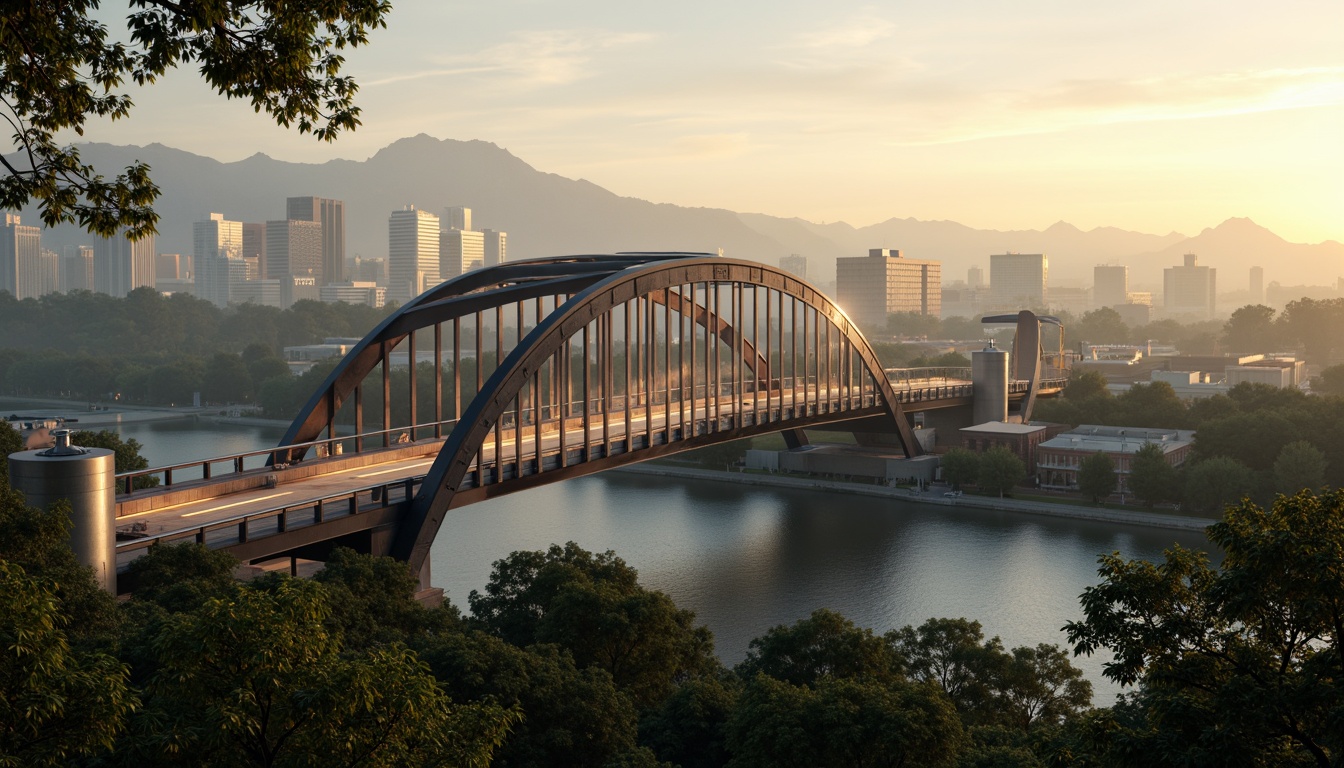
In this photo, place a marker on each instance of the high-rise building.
(412, 253)
(217, 256)
(369, 270)
(496, 250)
(1110, 285)
(169, 266)
(794, 263)
(120, 265)
(354, 292)
(460, 251)
(975, 277)
(20, 258)
(1018, 280)
(1189, 290)
(1257, 285)
(77, 272)
(457, 217)
(331, 215)
(254, 244)
(294, 249)
(885, 282)
(49, 271)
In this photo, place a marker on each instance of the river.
(748, 558)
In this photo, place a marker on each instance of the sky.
(1144, 115)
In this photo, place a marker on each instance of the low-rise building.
(1021, 439)
(1059, 458)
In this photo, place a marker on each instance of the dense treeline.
(567, 660)
(155, 349)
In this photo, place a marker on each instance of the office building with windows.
(1110, 285)
(885, 282)
(1018, 281)
(412, 253)
(330, 214)
(20, 258)
(217, 254)
(1189, 290)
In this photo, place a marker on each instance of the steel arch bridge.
(608, 360)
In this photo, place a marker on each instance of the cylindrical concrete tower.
(989, 385)
(87, 478)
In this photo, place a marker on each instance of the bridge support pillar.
(989, 382)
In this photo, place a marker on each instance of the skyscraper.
(1189, 290)
(1018, 280)
(885, 282)
(496, 250)
(460, 251)
(20, 258)
(77, 272)
(975, 277)
(254, 244)
(457, 217)
(120, 266)
(217, 258)
(412, 253)
(1110, 285)
(294, 249)
(1257, 285)
(331, 215)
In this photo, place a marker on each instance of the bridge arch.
(746, 389)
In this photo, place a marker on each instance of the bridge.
(531, 372)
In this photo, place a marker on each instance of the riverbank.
(1073, 511)
(80, 415)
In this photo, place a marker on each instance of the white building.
(1110, 285)
(412, 253)
(354, 292)
(1018, 281)
(120, 266)
(1189, 290)
(20, 258)
(217, 258)
(884, 282)
(496, 247)
(460, 251)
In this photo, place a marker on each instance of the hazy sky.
(1145, 115)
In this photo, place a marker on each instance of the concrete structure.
(86, 478)
(1075, 301)
(794, 263)
(883, 283)
(330, 216)
(265, 293)
(1021, 439)
(1110, 285)
(1281, 373)
(1189, 290)
(1018, 280)
(1059, 458)
(217, 255)
(368, 270)
(20, 258)
(975, 277)
(77, 270)
(1257, 286)
(412, 253)
(460, 251)
(496, 247)
(170, 266)
(294, 249)
(354, 292)
(989, 380)
(457, 217)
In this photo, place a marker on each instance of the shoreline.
(1071, 511)
(108, 414)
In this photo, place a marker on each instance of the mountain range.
(546, 214)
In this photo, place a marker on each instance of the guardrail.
(241, 529)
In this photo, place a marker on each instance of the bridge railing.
(247, 461)
(240, 529)
(908, 377)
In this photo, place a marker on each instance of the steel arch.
(441, 490)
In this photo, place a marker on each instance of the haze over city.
(1143, 116)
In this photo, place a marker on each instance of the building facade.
(885, 282)
(330, 215)
(1059, 459)
(217, 255)
(120, 266)
(1110, 285)
(294, 249)
(1019, 280)
(77, 273)
(496, 247)
(1257, 285)
(354, 292)
(1189, 290)
(412, 253)
(460, 251)
(20, 258)
(794, 264)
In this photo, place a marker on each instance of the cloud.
(857, 32)
(530, 59)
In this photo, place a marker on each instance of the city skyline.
(1164, 118)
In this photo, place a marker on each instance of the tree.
(1153, 405)
(593, 607)
(1240, 665)
(1251, 329)
(1085, 384)
(1101, 326)
(1214, 483)
(1300, 467)
(960, 467)
(226, 380)
(824, 644)
(1039, 685)
(58, 704)
(1000, 471)
(689, 728)
(1151, 478)
(954, 655)
(1096, 477)
(58, 68)
(255, 679)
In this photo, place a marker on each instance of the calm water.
(748, 558)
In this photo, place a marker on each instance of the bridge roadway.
(226, 513)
